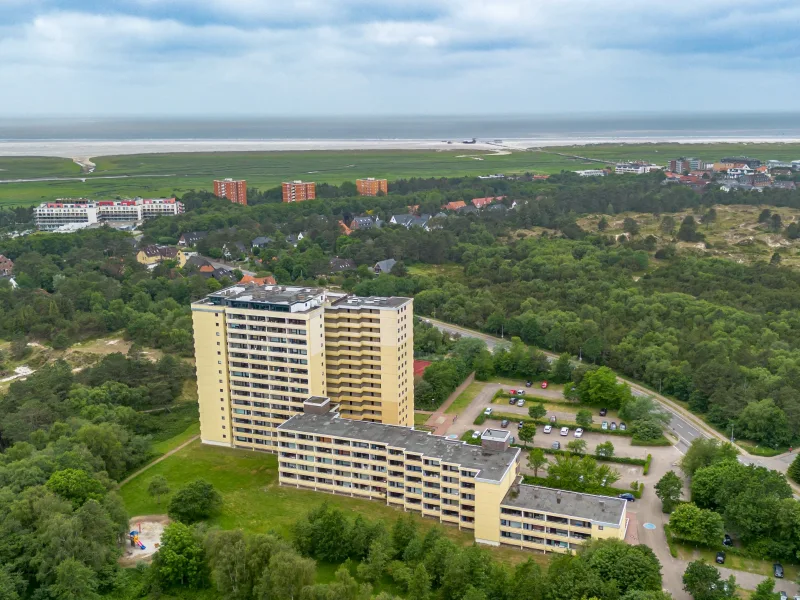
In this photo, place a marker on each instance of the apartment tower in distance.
(264, 350)
(371, 186)
(234, 190)
(298, 191)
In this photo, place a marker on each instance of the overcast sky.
(355, 57)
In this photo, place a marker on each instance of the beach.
(83, 149)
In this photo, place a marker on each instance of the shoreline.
(84, 149)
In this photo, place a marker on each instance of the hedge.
(480, 419)
(498, 416)
(662, 441)
(647, 462)
(623, 460)
(599, 490)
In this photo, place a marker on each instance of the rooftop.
(369, 302)
(491, 465)
(600, 509)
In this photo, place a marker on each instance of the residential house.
(784, 185)
(745, 160)
(197, 261)
(468, 209)
(268, 280)
(591, 173)
(481, 202)
(6, 266)
(384, 266)
(337, 265)
(153, 255)
(261, 242)
(366, 223)
(455, 205)
(409, 221)
(294, 239)
(191, 238)
(231, 249)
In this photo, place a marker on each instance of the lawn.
(252, 499)
(738, 563)
(465, 398)
(420, 418)
(162, 447)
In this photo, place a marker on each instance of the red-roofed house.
(540, 177)
(454, 205)
(269, 280)
(6, 265)
(481, 202)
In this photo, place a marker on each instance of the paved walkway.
(158, 460)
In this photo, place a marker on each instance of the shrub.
(195, 501)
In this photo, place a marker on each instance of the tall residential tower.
(262, 351)
(234, 190)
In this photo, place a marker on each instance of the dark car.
(727, 540)
(512, 400)
(528, 383)
(627, 496)
(521, 424)
(603, 412)
(777, 570)
(504, 423)
(556, 446)
(720, 558)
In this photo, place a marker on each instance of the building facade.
(234, 190)
(299, 191)
(262, 350)
(50, 216)
(473, 487)
(371, 186)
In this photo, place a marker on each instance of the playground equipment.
(135, 541)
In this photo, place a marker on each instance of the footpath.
(135, 474)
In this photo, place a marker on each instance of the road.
(683, 424)
(218, 264)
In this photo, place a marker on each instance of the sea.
(652, 127)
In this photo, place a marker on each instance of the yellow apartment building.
(262, 350)
(473, 487)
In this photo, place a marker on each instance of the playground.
(143, 539)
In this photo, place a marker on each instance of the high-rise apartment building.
(263, 350)
(371, 186)
(298, 191)
(477, 488)
(234, 190)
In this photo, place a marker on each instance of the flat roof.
(376, 302)
(590, 507)
(490, 465)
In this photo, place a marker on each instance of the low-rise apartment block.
(234, 190)
(51, 216)
(153, 255)
(635, 168)
(371, 186)
(473, 487)
(299, 191)
(263, 350)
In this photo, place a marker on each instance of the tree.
(158, 487)
(180, 561)
(599, 387)
(374, 567)
(562, 369)
(604, 450)
(704, 452)
(537, 411)
(668, 490)
(527, 432)
(794, 469)
(577, 447)
(667, 225)
(698, 525)
(76, 485)
(688, 230)
(646, 430)
(602, 224)
(195, 501)
(630, 226)
(765, 590)
(775, 222)
(764, 422)
(536, 460)
(75, 581)
(419, 584)
(775, 259)
(765, 216)
(584, 418)
(703, 582)
(286, 576)
(630, 567)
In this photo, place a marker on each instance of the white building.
(50, 216)
(591, 173)
(635, 168)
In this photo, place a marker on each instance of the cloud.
(401, 56)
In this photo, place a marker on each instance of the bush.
(195, 501)
(480, 419)
(662, 441)
(599, 490)
(794, 470)
(647, 462)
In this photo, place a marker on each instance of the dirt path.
(158, 460)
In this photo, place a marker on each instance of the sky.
(396, 57)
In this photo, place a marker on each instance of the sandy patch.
(150, 528)
(22, 371)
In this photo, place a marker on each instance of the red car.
(544, 385)
(512, 392)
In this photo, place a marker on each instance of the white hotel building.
(75, 214)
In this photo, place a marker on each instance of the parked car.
(544, 385)
(521, 392)
(783, 595)
(720, 558)
(528, 383)
(512, 400)
(777, 570)
(553, 419)
(622, 427)
(727, 540)
(604, 425)
(476, 435)
(613, 425)
(512, 392)
(488, 411)
(512, 440)
(504, 423)
(565, 431)
(548, 428)
(556, 446)
(520, 402)
(603, 412)
(521, 424)
(627, 496)
(578, 432)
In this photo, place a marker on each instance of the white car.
(476, 435)
(565, 431)
(578, 432)
(548, 428)
(488, 411)
(520, 402)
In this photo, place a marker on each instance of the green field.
(170, 174)
(465, 398)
